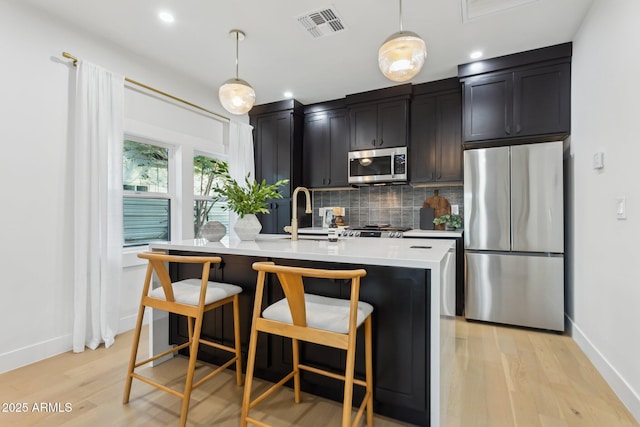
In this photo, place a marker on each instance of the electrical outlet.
(455, 210)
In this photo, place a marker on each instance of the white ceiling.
(278, 55)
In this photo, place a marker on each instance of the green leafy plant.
(250, 198)
(454, 221)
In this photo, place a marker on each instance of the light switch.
(621, 208)
(455, 210)
(598, 160)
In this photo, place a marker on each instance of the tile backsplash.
(398, 205)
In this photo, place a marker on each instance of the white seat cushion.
(329, 314)
(188, 291)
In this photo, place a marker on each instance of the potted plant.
(451, 222)
(248, 200)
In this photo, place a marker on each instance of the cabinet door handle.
(373, 142)
(381, 142)
(518, 128)
(507, 129)
(328, 181)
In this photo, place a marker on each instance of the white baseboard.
(128, 323)
(24, 356)
(620, 386)
(33, 353)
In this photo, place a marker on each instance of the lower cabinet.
(278, 217)
(400, 334)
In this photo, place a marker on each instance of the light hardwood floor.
(503, 377)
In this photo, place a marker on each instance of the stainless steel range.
(378, 230)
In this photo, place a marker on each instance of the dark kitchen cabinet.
(279, 216)
(519, 98)
(379, 125)
(278, 155)
(379, 119)
(325, 146)
(436, 133)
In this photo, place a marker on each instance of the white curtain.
(98, 234)
(241, 160)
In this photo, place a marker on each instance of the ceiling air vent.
(322, 22)
(475, 9)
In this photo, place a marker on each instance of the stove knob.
(357, 234)
(392, 234)
(399, 234)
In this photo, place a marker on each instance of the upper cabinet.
(325, 145)
(518, 98)
(379, 118)
(277, 137)
(435, 152)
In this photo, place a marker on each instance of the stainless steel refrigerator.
(514, 235)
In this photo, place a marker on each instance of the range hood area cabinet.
(380, 118)
(326, 145)
(277, 137)
(524, 97)
(435, 152)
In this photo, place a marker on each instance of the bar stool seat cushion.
(329, 314)
(188, 291)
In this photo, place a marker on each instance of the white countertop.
(410, 253)
(424, 234)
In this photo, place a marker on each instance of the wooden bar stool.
(317, 319)
(191, 298)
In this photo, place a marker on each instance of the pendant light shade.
(402, 55)
(236, 95)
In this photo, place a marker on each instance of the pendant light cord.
(237, 43)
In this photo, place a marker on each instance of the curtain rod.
(175, 98)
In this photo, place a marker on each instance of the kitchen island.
(410, 283)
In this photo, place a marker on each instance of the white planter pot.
(247, 228)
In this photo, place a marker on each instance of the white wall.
(604, 292)
(36, 84)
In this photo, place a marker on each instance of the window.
(208, 174)
(147, 196)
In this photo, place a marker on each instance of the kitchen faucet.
(293, 228)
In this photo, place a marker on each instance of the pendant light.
(236, 95)
(402, 55)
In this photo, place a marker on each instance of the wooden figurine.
(440, 205)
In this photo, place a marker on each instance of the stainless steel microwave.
(378, 166)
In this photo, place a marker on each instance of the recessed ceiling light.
(476, 54)
(288, 94)
(165, 16)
